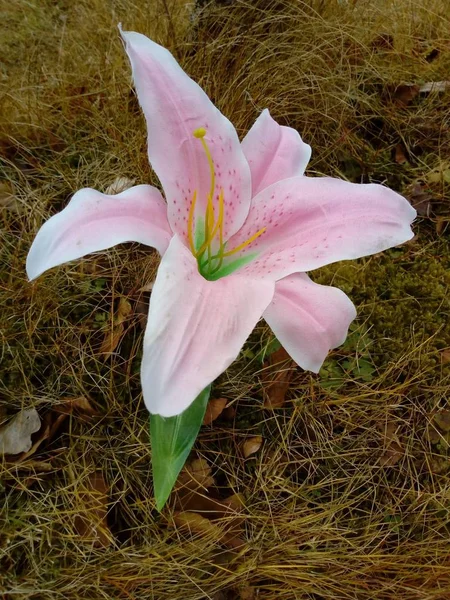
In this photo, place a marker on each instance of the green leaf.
(171, 440)
(364, 370)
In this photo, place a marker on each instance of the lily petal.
(274, 152)
(94, 221)
(195, 329)
(174, 107)
(309, 319)
(311, 222)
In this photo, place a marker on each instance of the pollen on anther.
(199, 133)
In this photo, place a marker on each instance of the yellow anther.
(191, 222)
(244, 244)
(199, 133)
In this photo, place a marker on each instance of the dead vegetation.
(300, 487)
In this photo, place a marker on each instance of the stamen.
(191, 223)
(210, 264)
(209, 226)
(245, 244)
(210, 217)
(220, 222)
(211, 233)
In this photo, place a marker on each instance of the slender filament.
(191, 222)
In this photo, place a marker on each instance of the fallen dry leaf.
(15, 436)
(420, 198)
(193, 495)
(234, 520)
(400, 154)
(111, 340)
(194, 475)
(141, 312)
(214, 410)
(439, 465)
(441, 225)
(236, 502)
(433, 435)
(393, 451)
(220, 596)
(229, 413)
(147, 287)
(90, 522)
(277, 375)
(191, 488)
(389, 429)
(251, 445)
(246, 592)
(123, 311)
(405, 93)
(114, 335)
(78, 404)
(442, 420)
(391, 456)
(120, 184)
(445, 356)
(196, 524)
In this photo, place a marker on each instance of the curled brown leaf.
(214, 410)
(277, 375)
(251, 445)
(393, 449)
(114, 334)
(90, 522)
(120, 184)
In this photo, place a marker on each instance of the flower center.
(206, 237)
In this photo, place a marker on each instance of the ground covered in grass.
(304, 487)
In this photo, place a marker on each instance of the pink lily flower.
(238, 229)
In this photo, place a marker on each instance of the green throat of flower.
(214, 259)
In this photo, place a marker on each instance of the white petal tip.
(31, 271)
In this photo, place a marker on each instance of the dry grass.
(349, 496)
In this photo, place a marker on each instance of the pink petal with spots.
(313, 222)
(195, 329)
(174, 107)
(94, 221)
(309, 319)
(273, 152)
